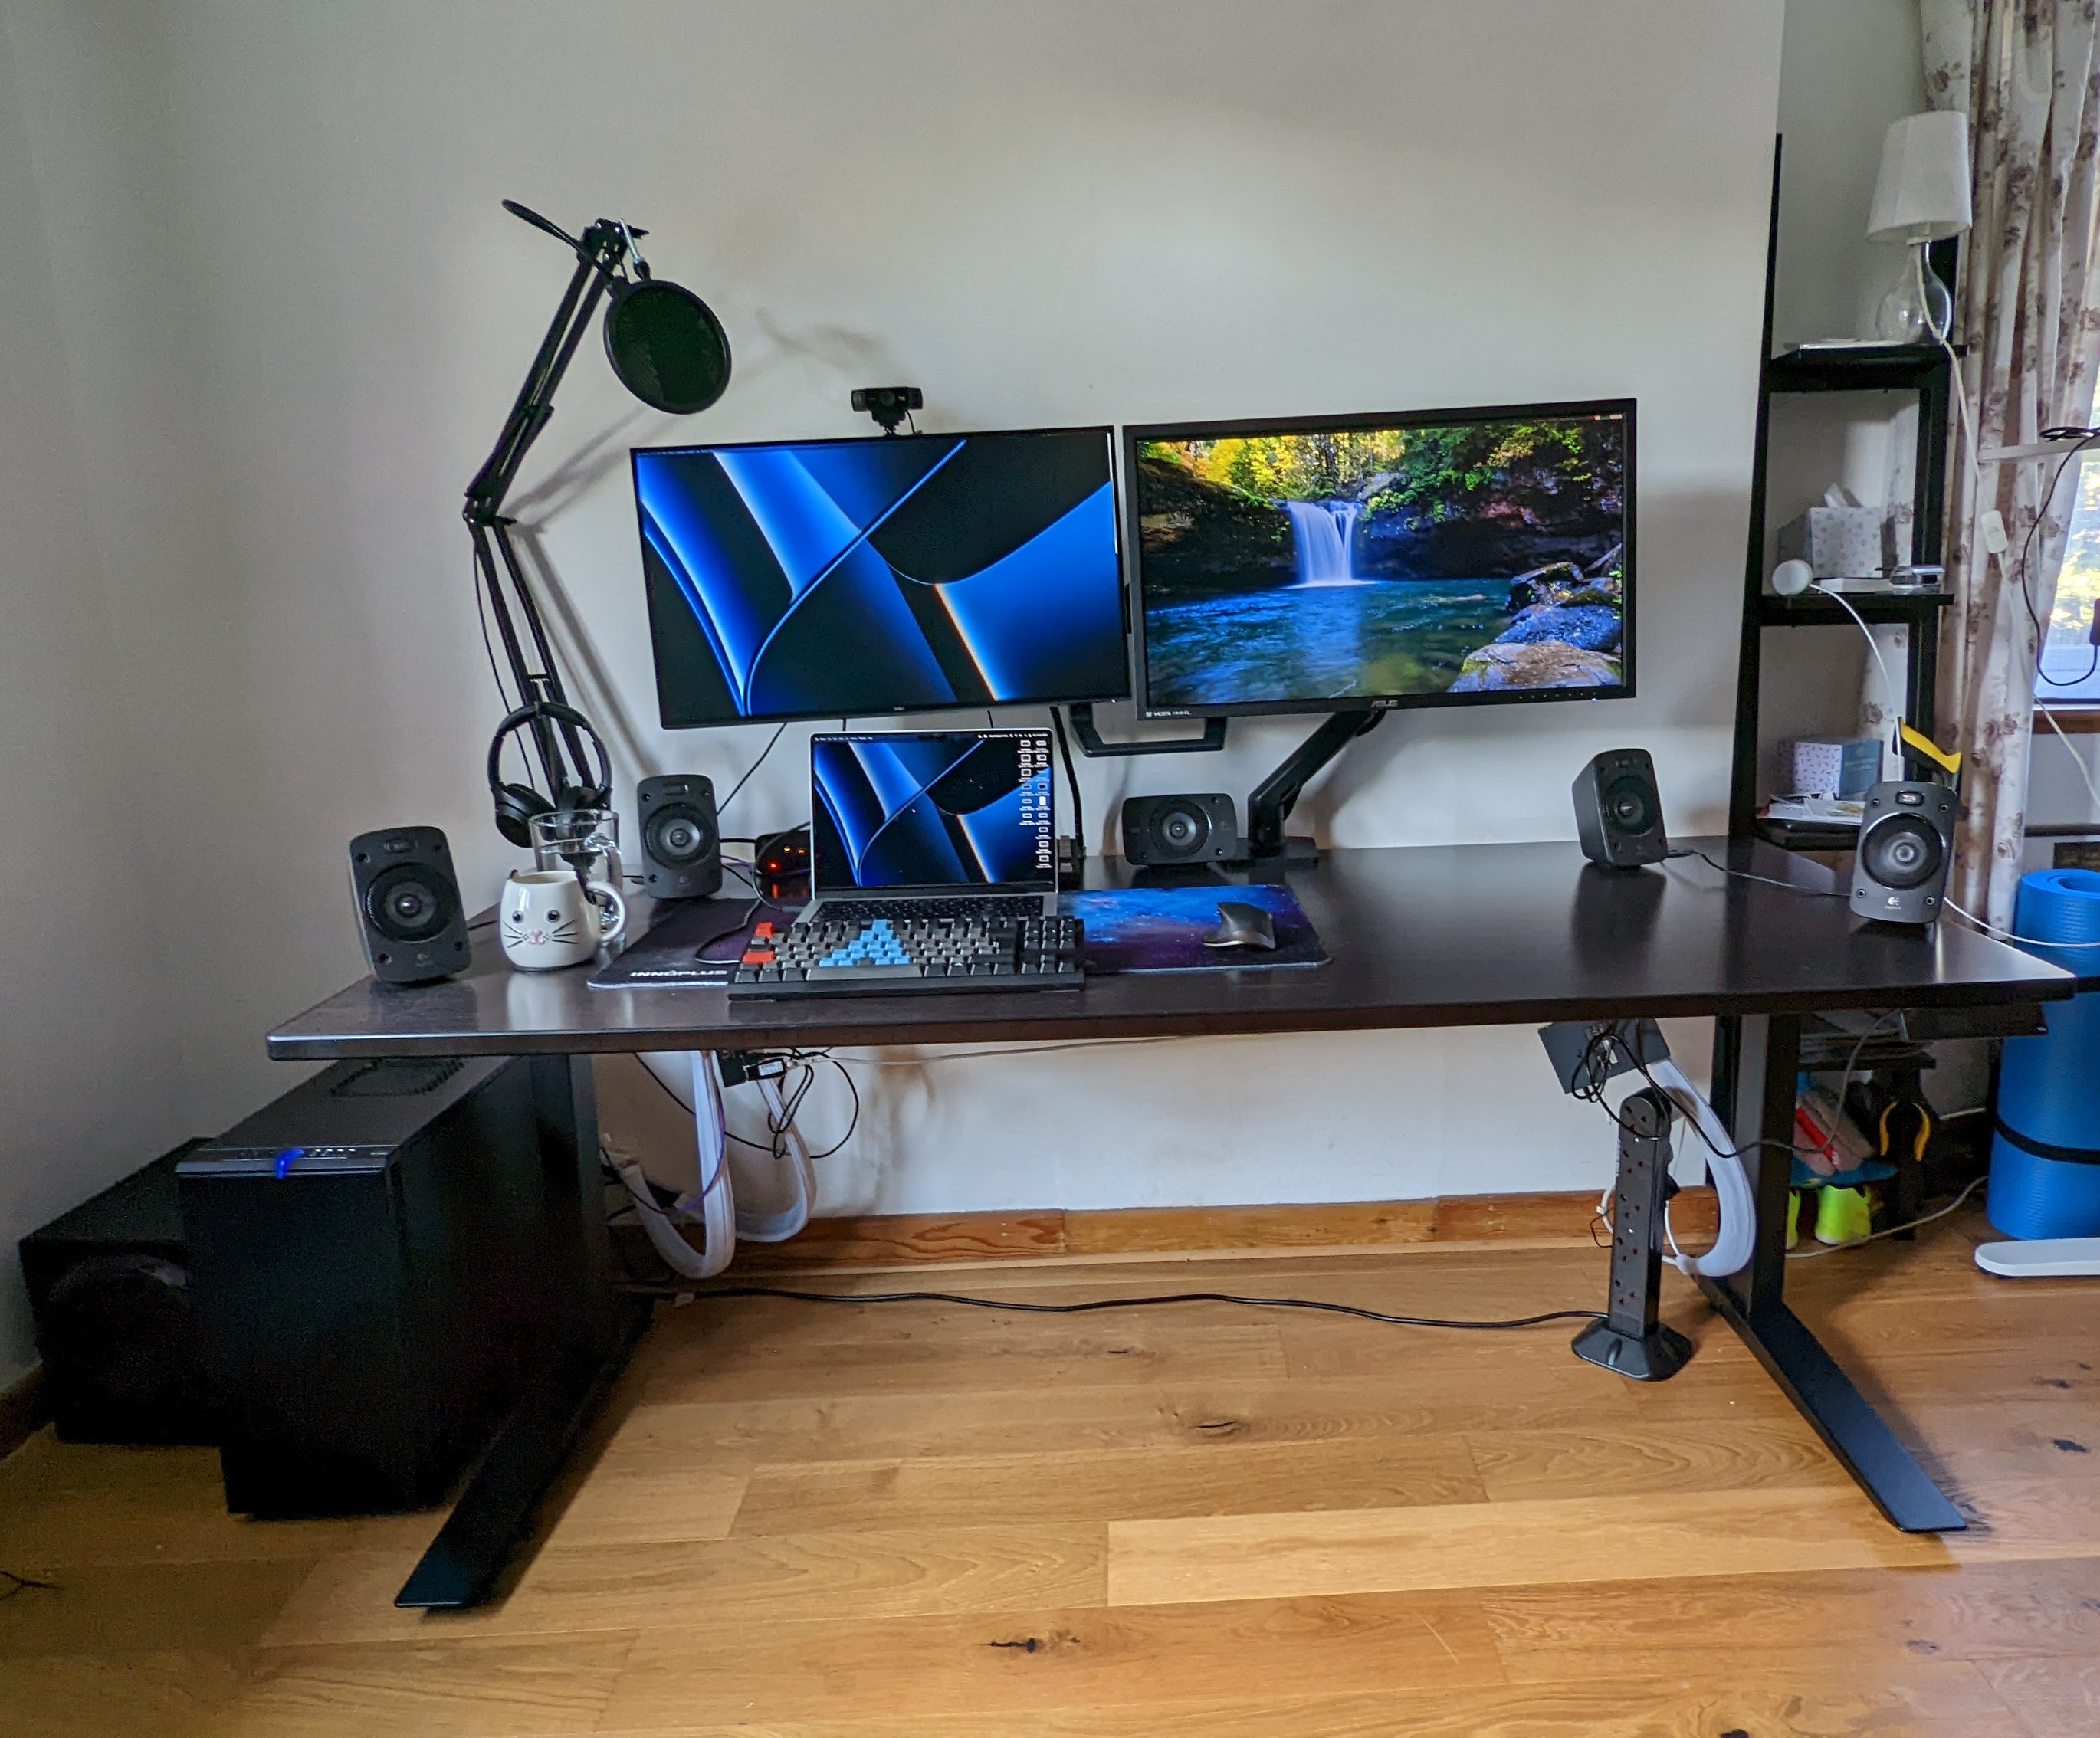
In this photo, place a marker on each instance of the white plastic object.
(2045, 1258)
(1991, 528)
(1791, 578)
(1730, 1253)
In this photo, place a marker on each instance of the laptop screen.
(932, 809)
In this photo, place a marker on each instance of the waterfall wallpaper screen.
(912, 573)
(1425, 559)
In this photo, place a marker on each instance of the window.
(2068, 675)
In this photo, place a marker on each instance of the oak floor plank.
(1950, 1700)
(1212, 1478)
(1869, 1619)
(994, 1665)
(813, 1520)
(1503, 1544)
(1628, 1459)
(924, 1572)
(2052, 1697)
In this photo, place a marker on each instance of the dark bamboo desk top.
(1421, 936)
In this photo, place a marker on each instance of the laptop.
(934, 867)
(932, 823)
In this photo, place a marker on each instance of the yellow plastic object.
(1920, 744)
(1842, 1216)
(1793, 1217)
(1924, 1129)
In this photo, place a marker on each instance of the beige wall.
(284, 316)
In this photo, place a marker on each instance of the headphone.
(517, 804)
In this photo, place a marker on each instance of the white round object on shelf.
(1792, 578)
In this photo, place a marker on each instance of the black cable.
(1818, 893)
(22, 1583)
(1593, 1071)
(2087, 437)
(1089, 1306)
(481, 610)
(746, 779)
(1072, 780)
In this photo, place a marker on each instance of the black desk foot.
(1653, 1356)
(1851, 1429)
(494, 1515)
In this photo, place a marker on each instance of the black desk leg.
(1629, 1339)
(493, 1519)
(1767, 1053)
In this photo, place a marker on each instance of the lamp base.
(1917, 308)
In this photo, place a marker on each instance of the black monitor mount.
(1269, 803)
(1092, 745)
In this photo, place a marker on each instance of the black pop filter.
(666, 345)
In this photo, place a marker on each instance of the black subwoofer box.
(116, 1325)
(381, 1262)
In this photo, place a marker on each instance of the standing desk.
(1437, 936)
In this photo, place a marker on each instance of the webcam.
(888, 405)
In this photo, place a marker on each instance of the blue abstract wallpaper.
(856, 577)
(932, 809)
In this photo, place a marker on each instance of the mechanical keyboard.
(899, 952)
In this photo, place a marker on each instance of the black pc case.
(381, 1263)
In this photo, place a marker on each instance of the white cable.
(1873, 645)
(1810, 1255)
(2078, 759)
(777, 1227)
(713, 1196)
(2007, 935)
(1730, 1253)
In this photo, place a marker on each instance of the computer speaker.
(1158, 830)
(408, 909)
(1618, 811)
(1906, 843)
(681, 846)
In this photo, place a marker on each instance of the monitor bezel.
(1135, 434)
(962, 889)
(1107, 431)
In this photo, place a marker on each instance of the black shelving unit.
(1919, 369)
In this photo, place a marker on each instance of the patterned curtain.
(2028, 72)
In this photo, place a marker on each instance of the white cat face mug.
(548, 919)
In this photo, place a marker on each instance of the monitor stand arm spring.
(1269, 803)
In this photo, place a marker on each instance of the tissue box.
(1836, 766)
(1837, 543)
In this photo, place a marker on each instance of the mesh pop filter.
(667, 347)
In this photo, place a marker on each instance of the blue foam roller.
(2048, 1088)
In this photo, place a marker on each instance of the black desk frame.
(1479, 942)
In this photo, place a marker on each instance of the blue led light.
(285, 1157)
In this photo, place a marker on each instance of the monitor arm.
(534, 674)
(1269, 803)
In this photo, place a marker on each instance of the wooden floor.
(925, 1522)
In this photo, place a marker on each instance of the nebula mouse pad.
(1162, 929)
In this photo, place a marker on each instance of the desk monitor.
(932, 809)
(1346, 563)
(841, 578)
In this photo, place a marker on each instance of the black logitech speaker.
(680, 848)
(1158, 830)
(1618, 811)
(1906, 843)
(408, 909)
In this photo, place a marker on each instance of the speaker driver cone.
(1902, 852)
(1626, 805)
(406, 905)
(678, 835)
(1181, 832)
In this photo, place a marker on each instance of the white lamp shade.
(1923, 192)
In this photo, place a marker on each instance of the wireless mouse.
(1242, 926)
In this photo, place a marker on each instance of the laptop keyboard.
(974, 946)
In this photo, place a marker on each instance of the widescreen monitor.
(852, 578)
(932, 809)
(1353, 562)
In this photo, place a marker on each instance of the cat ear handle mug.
(548, 918)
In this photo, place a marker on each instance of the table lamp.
(1920, 196)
